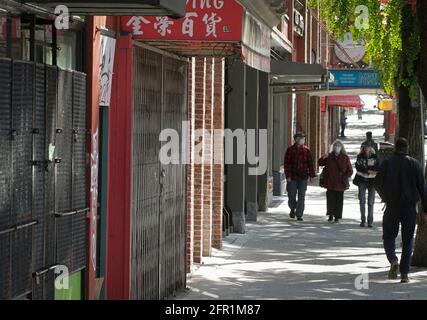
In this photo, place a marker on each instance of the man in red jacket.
(298, 169)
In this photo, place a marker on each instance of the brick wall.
(208, 150)
(218, 168)
(205, 180)
(200, 100)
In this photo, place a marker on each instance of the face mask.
(301, 142)
(338, 149)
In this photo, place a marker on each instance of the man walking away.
(298, 168)
(370, 142)
(400, 183)
(360, 113)
(343, 121)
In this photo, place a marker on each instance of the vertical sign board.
(205, 20)
(107, 54)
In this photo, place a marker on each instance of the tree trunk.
(422, 68)
(411, 121)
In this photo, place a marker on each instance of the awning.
(270, 12)
(175, 8)
(286, 73)
(346, 101)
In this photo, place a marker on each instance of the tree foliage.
(383, 36)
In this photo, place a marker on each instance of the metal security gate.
(43, 140)
(158, 191)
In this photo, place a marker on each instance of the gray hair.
(343, 151)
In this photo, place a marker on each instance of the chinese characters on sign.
(215, 20)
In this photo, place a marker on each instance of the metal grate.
(37, 115)
(146, 170)
(5, 175)
(39, 170)
(158, 229)
(173, 205)
(22, 146)
(63, 182)
(21, 262)
(79, 169)
(5, 143)
(5, 267)
(22, 171)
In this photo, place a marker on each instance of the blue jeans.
(363, 187)
(393, 218)
(297, 188)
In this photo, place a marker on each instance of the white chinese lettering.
(188, 24)
(162, 25)
(211, 22)
(136, 22)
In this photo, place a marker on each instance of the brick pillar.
(208, 158)
(190, 166)
(199, 124)
(218, 168)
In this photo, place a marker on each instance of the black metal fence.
(42, 176)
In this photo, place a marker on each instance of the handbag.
(357, 180)
(322, 178)
(344, 179)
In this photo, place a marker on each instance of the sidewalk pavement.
(280, 258)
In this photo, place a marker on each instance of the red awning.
(345, 101)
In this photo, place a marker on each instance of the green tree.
(396, 43)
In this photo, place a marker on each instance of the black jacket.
(363, 167)
(400, 181)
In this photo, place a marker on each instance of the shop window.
(67, 50)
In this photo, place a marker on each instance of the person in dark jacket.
(299, 168)
(337, 169)
(367, 166)
(343, 121)
(370, 142)
(401, 183)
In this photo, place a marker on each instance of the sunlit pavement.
(280, 258)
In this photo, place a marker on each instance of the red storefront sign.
(205, 20)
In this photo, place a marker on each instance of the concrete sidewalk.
(280, 258)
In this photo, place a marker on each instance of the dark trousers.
(343, 127)
(297, 189)
(393, 218)
(335, 203)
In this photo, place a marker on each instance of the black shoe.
(330, 219)
(300, 219)
(371, 226)
(362, 225)
(394, 268)
(292, 214)
(337, 221)
(405, 278)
